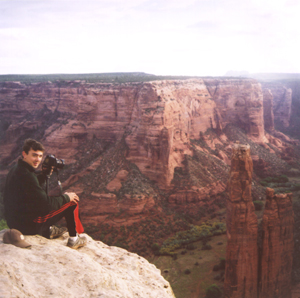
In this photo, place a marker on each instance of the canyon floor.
(192, 272)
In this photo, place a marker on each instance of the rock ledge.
(50, 268)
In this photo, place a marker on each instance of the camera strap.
(58, 182)
(47, 184)
(60, 187)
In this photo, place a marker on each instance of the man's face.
(33, 158)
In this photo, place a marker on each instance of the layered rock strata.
(239, 102)
(242, 250)
(282, 102)
(161, 123)
(196, 199)
(277, 246)
(158, 118)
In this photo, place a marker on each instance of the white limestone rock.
(51, 269)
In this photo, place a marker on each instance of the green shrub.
(296, 187)
(216, 267)
(206, 247)
(220, 266)
(264, 183)
(182, 238)
(3, 225)
(191, 246)
(282, 190)
(283, 179)
(187, 271)
(213, 291)
(155, 248)
(259, 205)
(218, 232)
(222, 263)
(276, 179)
(1, 207)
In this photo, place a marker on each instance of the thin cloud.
(208, 25)
(160, 37)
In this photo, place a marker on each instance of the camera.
(52, 162)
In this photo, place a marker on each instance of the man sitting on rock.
(29, 209)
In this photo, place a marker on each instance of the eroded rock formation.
(282, 102)
(50, 268)
(240, 102)
(241, 222)
(158, 118)
(277, 246)
(251, 273)
(197, 198)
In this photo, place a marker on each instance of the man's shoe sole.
(82, 242)
(63, 231)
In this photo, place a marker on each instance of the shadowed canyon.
(153, 159)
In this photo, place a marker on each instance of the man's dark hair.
(32, 144)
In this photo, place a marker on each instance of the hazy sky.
(163, 37)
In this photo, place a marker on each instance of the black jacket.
(25, 199)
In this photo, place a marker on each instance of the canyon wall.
(242, 251)
(165, 117)
(282, 102)
(174, 132)
(158, 118)
(240, 102)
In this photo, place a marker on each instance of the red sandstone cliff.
(173, 131)
(240, 102)
(277, 246)
(282, 102)
(241, 222)
(159, 118)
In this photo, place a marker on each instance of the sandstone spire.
(247, 275)
(277, 246)
(242, 251)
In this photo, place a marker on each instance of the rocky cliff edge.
(50, 268)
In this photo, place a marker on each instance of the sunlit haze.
(166, 37)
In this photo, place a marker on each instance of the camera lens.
(60, 163)
(51, 161)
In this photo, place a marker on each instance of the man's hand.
(73, 196)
